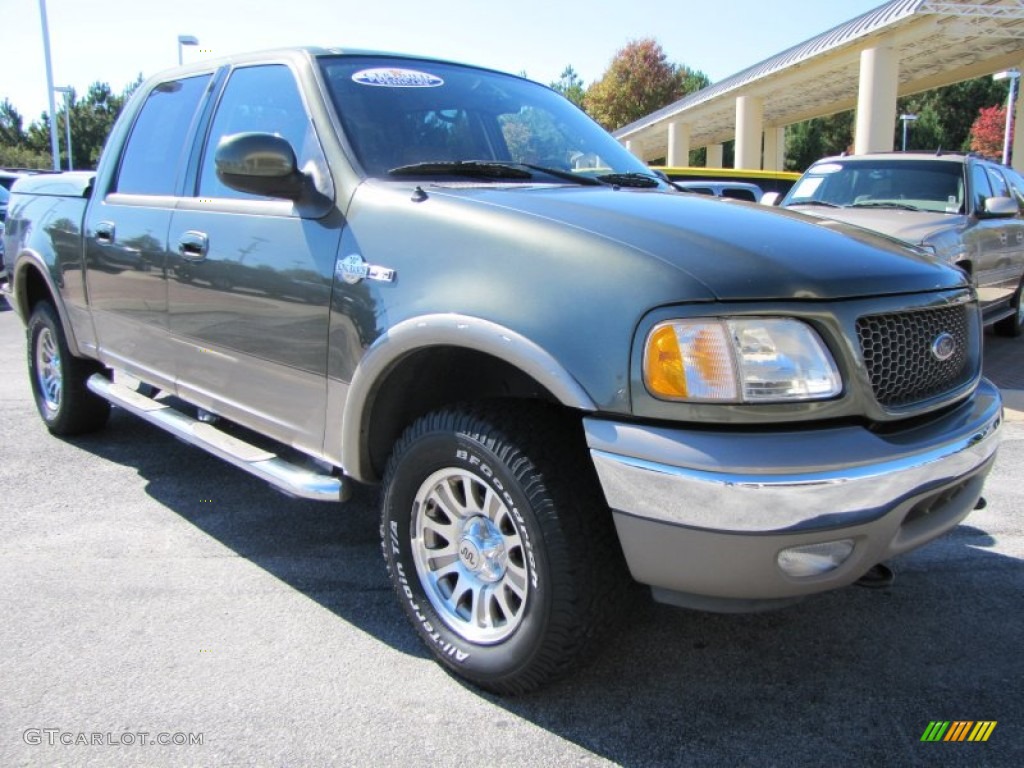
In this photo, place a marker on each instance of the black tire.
(515, 600)
(65, 404)
(1012, 326)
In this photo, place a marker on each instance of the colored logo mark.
(958, 730)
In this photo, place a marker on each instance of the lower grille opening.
(934, 502)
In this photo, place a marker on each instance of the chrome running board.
(287, 477)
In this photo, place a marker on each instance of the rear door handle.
(193, 246)
(105, 233)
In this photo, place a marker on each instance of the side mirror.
(770, 198)
(1001, 206)
(259, 164)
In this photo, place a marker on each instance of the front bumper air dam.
(703, 515)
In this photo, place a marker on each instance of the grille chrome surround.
(899, 353)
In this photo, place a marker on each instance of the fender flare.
(452, 330)
(30, 259)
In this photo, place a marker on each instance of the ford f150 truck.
(333, 267)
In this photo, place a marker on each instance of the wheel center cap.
(469, 554)
(482, 550)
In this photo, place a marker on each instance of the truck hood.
(738, 251)
(909, 226)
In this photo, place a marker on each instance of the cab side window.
(262, 99)
(1016, 186)
(980, 187)
(999, 188)
(155, 150)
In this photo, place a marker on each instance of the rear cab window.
(154, 155)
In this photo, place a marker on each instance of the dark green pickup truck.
(331, 267)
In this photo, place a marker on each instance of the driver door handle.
(193, 246)
(105, 233)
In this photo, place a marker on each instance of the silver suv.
(963, 209)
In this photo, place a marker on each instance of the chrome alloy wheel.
(469, 556)
(48, 370)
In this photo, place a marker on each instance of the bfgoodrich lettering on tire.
(499, 544)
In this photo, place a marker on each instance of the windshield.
(924, 185)
(406, 118)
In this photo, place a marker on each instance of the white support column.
(876, 100)
(633, 145)
(678, 144)
(774, 147)
(714, 159)
(749, 119)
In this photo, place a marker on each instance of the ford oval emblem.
(944, 347)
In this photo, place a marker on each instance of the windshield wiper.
(474, 168)
(900, 206)
(822, 203)
(558, 173)
(488, 169)
(634, 179)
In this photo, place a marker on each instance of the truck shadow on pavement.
(328, 552)
(851, 677)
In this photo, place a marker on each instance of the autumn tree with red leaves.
(988, 132)
(639, 81)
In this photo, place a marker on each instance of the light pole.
(906, 118)
(1013, 75)
(54, 146)
(184, 40)
(68, 91)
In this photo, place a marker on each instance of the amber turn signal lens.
(663, 364)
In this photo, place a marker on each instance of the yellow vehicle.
(766, 181)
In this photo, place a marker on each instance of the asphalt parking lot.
(151, 589)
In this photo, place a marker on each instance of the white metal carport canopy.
(900, 48)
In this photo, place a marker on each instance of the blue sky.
(114, 40)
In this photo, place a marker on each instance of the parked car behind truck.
(397, 271)
(965, 210)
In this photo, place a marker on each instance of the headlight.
(739, 360)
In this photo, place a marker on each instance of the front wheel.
(1013, 326)
(499, 544)
(58, 378)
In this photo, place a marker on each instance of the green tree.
(14, 149)
(816, 138)
(23, 157)
(12, 131)
(945, 115)
(944, 119)
(92, 118)
(640, 80)
(570, 85)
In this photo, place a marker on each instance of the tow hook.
(878, 576)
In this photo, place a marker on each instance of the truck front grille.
(901, 360)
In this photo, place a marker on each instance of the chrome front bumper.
(707, 512)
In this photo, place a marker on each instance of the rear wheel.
(499, 544)
(1013, 325)
(58, 378)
